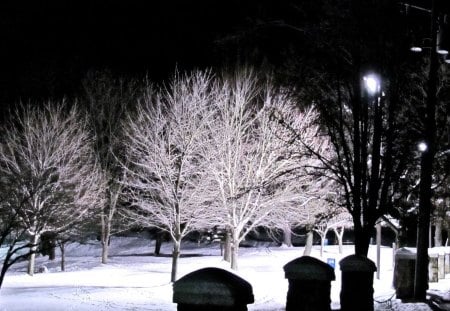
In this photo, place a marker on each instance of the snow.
(135, 279)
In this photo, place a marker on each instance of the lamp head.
(442, 42)
(422, 146)
(372, 83)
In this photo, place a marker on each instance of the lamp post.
(426, 166)
(437, 46)
(372, 85)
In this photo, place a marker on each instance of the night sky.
(47, 47)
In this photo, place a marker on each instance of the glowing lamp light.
(372, 84)
(442, 42)
(416, 49)
(442, 51)
(422, 146)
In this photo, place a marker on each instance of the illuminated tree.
(254, 168)
(47, 159)
(165, 168)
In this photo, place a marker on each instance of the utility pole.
(426, 168)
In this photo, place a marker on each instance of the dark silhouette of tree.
(107, 99)
(12, 235)
(328, 48)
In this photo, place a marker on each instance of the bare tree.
(324, 212)
(107, 100)
(253, 169)
(165, 169)
(298, 130)
(47, 158)
(79, 231)
(306, 212)
(335, 218)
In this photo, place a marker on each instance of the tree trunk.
(52, 254)
(438, 231)
(175, 256)
(227, 247)
(3, 273)
(309, 243)
(322, 245)
(234, 253)
(106, 236)
(105, 252)
(322, 242)
(5, 266)
(158, 242)
(362, 240)
(340, 236)
(402, 239)
(48, 245)
(31, 261)
(287, 236)
(62, 247)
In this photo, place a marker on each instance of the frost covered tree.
(46, 157)
(165, 169)
(298, 129)
(252, 169)
(336, 218)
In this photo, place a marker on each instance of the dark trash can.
(357, 283)
(309, 284)
(212, 289)
(404, 273)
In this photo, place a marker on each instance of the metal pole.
(426, 171)
(378, 249)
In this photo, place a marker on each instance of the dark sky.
(46, 46)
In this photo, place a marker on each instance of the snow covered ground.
(134, 279)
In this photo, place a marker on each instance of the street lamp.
(422, 146)
(372, 84)
(427, 153)
(439, 40)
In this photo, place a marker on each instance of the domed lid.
(357, 263)
(308, 268)
(405, 253)
(212, 286)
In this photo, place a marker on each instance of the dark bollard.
(404, 273)
(357, 283)
(309, 284)
(212, 289)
